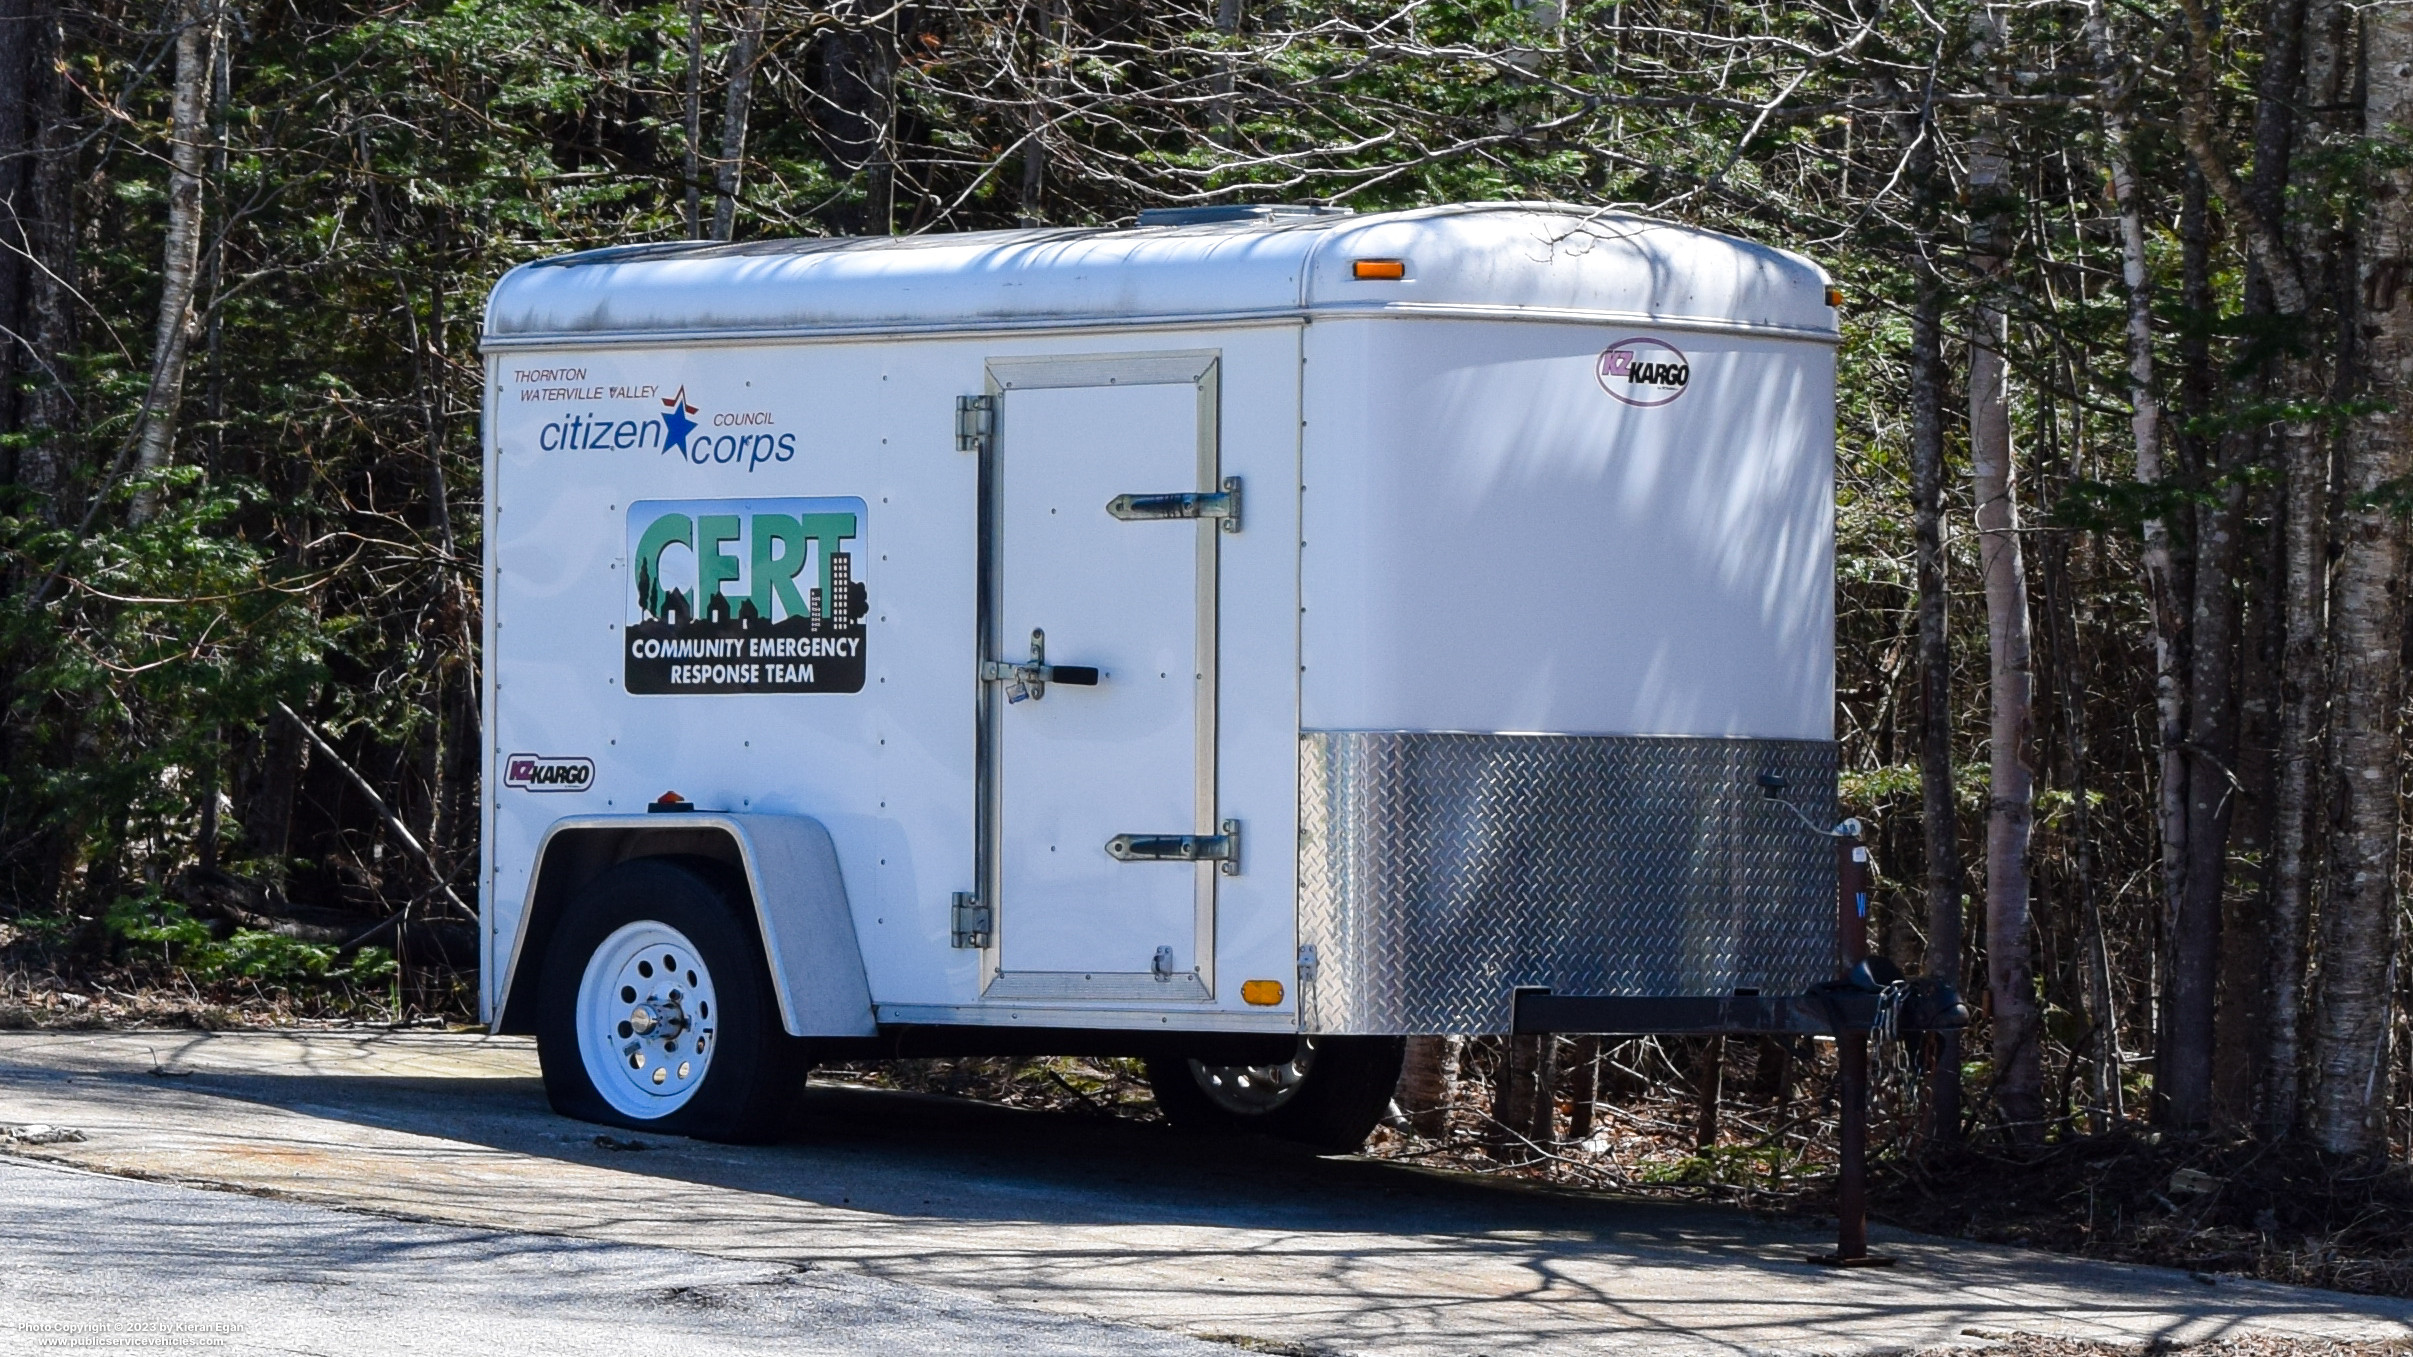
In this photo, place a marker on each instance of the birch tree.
(2010, 965)
(180, 269)
(2355, 982)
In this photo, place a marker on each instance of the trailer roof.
(1542, 261)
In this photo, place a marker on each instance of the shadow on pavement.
(944, 1158)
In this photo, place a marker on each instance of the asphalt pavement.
(420, 1178)
(101, 1264)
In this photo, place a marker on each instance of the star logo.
(677, 422)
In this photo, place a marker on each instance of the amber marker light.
(1391, 270)
(1834, 296)
(1263, 992)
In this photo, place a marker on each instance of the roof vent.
(1221, 213)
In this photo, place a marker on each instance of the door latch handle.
(1187, 504)
(1030, 679)
(1221, 848)
(1078, 675)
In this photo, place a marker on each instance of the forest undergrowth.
(224, 979)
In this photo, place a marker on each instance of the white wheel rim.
(1254, 1090)
(648, 1020)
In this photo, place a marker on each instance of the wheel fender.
(799, 898)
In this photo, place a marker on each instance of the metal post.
(1851, 947)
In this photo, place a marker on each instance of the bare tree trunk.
(2242, 1009)
(456, 829)
(1939, 814)
(2353, 990)
(180, 269)
(858, 81)
(221, 93)
(2010, 682)
(2303, 676)
(46, 413)
(1034, 146)
(2161, 593)
(695, 119)
(1581, 1086)
(2010, 964)
(2236, 1009)
(2068, 684)
(2198, 126)
(2302, 698)
(2182, 1071)
(1541, 1115)
(1708, 1089)
(205, 836)
(1227, 22)
(1427, 1083)
(728, 174)
(21, 76)
(284, 760)
(1772, 1076)
(1512, 1097)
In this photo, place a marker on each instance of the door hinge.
(971, 920)
(975, 422)
(1187, 504)
(1223, 848)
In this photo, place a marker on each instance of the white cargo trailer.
(1180, 640)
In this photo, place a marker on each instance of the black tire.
(749, 1085)
(1341, 1093)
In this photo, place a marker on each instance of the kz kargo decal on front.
(1644, 371)
(746, 596)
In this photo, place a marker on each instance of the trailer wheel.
(1328, 1095)
(656, 1010)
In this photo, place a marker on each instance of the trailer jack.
(1869, 995)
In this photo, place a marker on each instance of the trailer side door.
(1103, 510)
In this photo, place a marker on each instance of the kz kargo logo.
(745, 596)
(1644, 371)
(723, 438)
(548, 773)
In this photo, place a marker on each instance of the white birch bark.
(180, 268)
(2303, 682)
(2161, 595)
(695, 119)
(2352, 990)
(2011, 789)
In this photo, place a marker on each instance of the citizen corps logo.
(548, 773)
(1644, 371)
(683, 428)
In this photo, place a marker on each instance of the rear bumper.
(1539, 1011)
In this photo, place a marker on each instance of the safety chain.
(1894, 1055)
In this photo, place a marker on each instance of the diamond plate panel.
(1437, 872)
